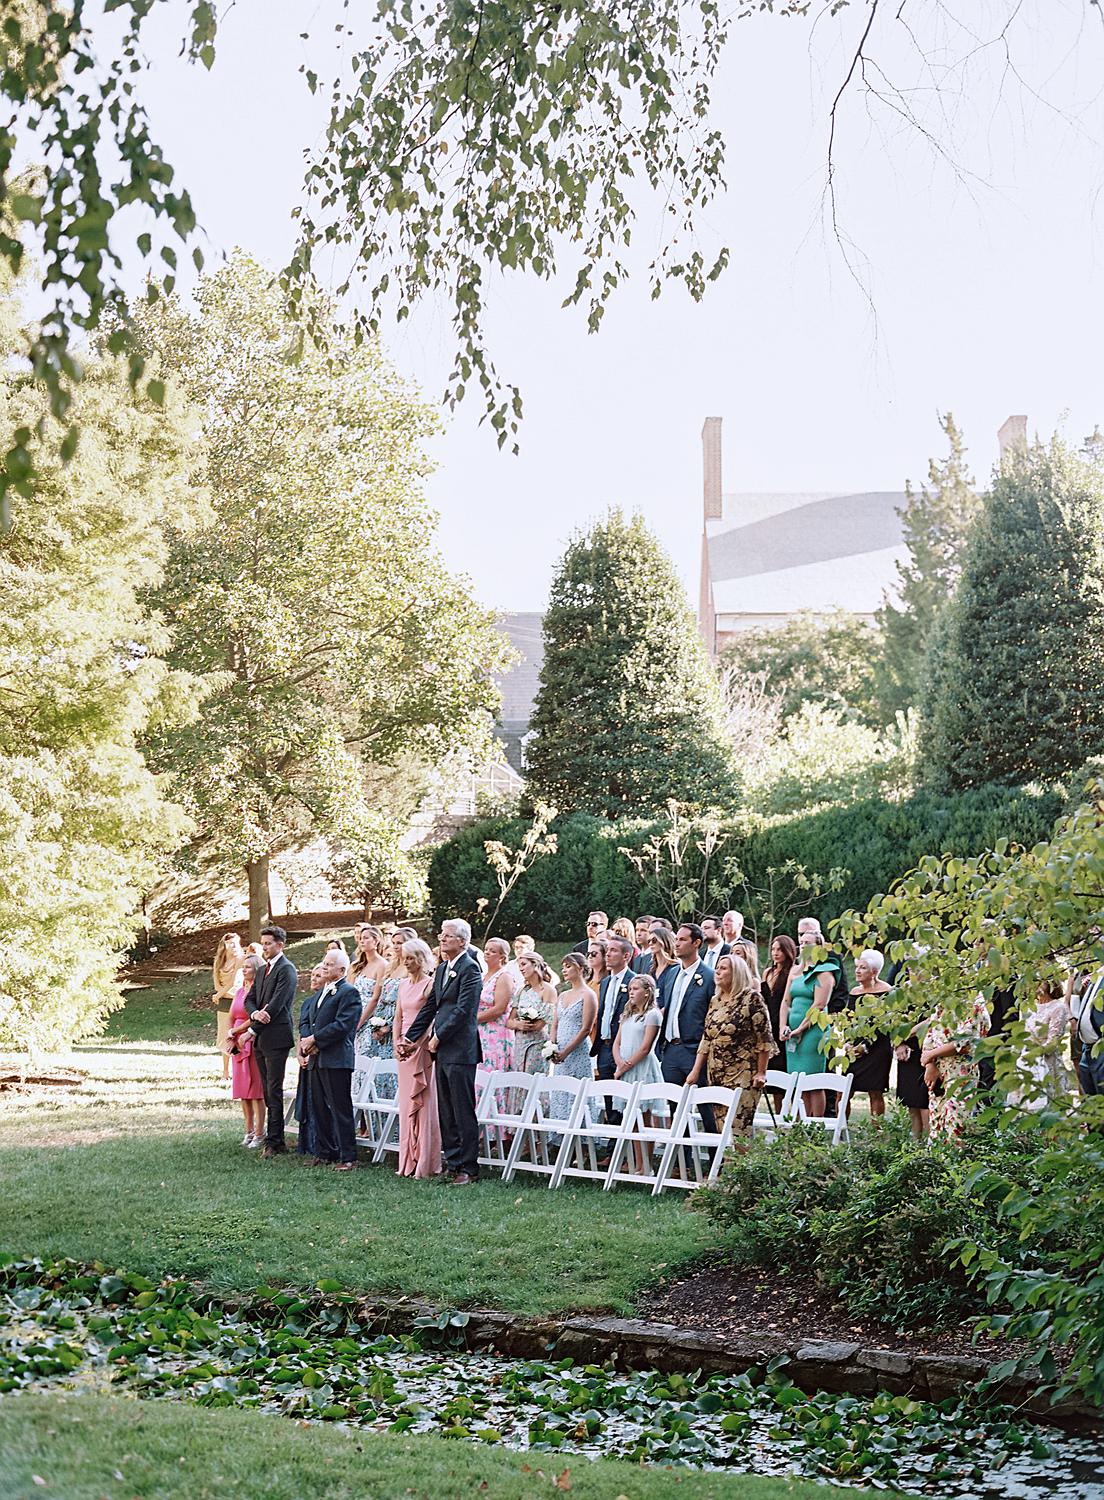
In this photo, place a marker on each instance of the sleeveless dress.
(578, 1064)
(365, 986)
(647, 1070)
(244, 1072)
(528, 1044)
(419, 1126)
(870, 1070)
(808, 1053)
(385, 1047)
(496, 1037)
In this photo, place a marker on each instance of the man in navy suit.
(612, 994)
(452, 1009)
(684, 1010)
(273, 995)
(713, 943)
(327, 1024)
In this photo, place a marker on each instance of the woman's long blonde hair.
(360, 962)
(220, 954)
(666, 940)
(743, 981)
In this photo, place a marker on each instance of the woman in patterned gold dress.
(737, 1041)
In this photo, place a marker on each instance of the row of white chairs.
(555, 1126)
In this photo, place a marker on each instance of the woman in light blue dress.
(572, 1023)
(374, 1039)
(365, 972)
(634, 1046)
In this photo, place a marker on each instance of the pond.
(310, 1359)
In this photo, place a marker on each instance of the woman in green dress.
(808, 991)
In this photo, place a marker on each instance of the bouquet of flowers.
(380, 1027)
(530, 1010)
(548, 1051)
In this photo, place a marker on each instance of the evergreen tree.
(629, 712)
(936, 523)
(313, 601)
(828, 660)
(1016, 685)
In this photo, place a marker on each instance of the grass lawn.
(141, 1167)
(88, 1447)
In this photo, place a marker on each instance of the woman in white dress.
(634, 1050)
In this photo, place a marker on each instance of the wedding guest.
(366, 971)
(613, 992)
(226, 972)
(912, 1091)
(271, 1022)
(326, 1040)
(808, 992)
(597, 953)
(950, 1068)
(337, 945)
(732, 926)
(1042, 1064)
(523, 943)
(497, 991)
(597, 925)
(634, 1046)
(530, 1014)
(378, 1043)
(810, 934)
(307, 1144)
(1088, 1025)
(450, 1015)
(783, 956)
(684, 1012)
(419, 1124)
(737, 1040)
(245, 1076)
(642, 931)
(870, 1064)
(744, 948)
(665, 964)
(713, 943)
(624, 927)
(572, 1023)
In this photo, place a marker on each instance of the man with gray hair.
(327, 1023)
(450, 1015)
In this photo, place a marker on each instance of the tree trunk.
(259, 898)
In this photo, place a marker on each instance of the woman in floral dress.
(737, 1041)
(950, 1070)
(496, 1038)
(377, 1043)
(538, 994)
(365, 972)
(572, 1022)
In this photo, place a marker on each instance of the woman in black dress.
(912, 1091)
(870, 1067)
(783, 956)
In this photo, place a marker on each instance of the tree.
(370, 865)
(936, 522)
(313, 600)
(83, 822)
(825, 660)
(1017, 677)
(629, 714)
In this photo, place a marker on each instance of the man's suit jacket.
(275, 993)
(642, 963)
(332, 1022)
(722, 952)
(695, 1004)
(619, 1006)
(452, 1009)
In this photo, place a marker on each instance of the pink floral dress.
(950, 1103)
(496, 1038)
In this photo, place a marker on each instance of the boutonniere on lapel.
(697, 979)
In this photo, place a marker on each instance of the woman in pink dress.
(494, 1001)
(419, 1132)
(245, 1075)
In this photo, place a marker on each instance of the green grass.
(91, 1447)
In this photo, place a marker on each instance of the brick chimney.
(711, 469)
(1012, 437)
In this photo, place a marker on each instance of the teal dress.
(808, 1054)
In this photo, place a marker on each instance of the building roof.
(778, 553)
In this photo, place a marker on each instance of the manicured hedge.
(876, 841)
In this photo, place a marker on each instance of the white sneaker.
(254, 1141)
(247, 1139)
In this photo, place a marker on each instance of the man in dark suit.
(273, 997)
(684, 1010)
(612, 994)
(713, 944)
(452, 1009)
(327, 1023)
(642, 963)
(597, 926)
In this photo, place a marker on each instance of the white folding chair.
(383, 1107)
(578, 1154)
(784, 1110)
(539, 1137)
(499, 1112)
(682, 1161)
(652, 1139)
(831, 1083)
(361, 1095)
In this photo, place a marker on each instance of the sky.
(978, 244)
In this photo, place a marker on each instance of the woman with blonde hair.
(366, 972)
(634, 1054)
(736, 1042)
(494, 1001)
(419, 1126)
(381, 1018)
(625, 927)
(530, 1013)
(244, 1072)
(226, 972)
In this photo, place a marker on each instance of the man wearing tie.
(684, 1015)
(327, 1024)
(612, 994)
(713, 944)
(452, 1009)
(273, 996)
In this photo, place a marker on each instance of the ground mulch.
(778, 1310)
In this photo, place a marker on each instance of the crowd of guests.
(644, 1001)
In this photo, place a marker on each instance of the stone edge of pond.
(814, 1364)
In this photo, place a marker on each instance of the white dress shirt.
(678, 994)
(613, 989)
